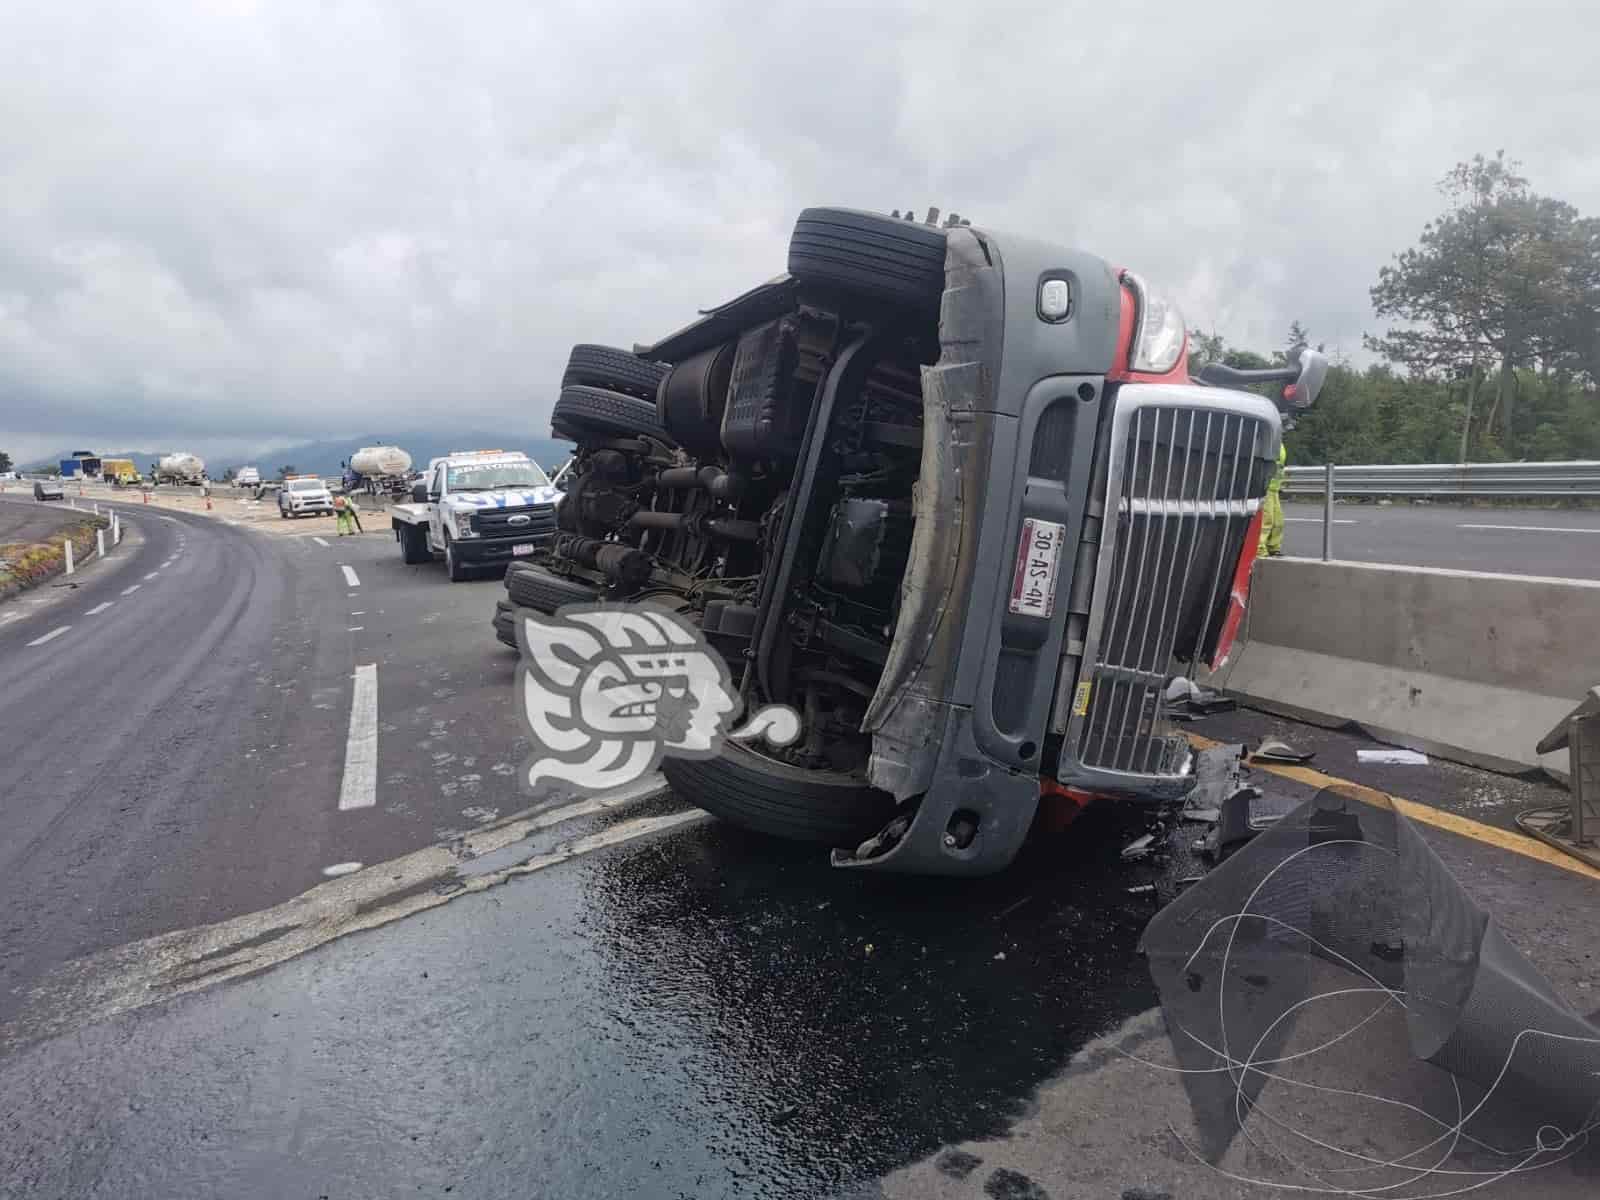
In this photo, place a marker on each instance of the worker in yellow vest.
(349, 519)
(1272, 511)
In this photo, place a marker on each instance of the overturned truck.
(948, 493)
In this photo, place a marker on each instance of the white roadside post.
(116, 528)
(68, 545)
(100, 543)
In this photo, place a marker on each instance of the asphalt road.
(28, 520)
(201, 993)
(1560, 543)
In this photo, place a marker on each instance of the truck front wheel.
(454, 567)
(414, 544)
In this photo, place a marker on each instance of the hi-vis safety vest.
(1276, 481)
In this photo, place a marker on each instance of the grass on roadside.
(27, 564)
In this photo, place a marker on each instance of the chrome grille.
(499, 522)
(1190, 481)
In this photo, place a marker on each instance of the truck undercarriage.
(924, 490)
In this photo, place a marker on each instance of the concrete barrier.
(1470, 666)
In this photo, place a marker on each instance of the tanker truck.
(378, 470)
(180, 468)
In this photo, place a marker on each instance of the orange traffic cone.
(208, 503)
(146, 496)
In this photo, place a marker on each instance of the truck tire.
(504, 623)
(457, 570)
(414, 545)
(766, 796)
(614, 370)
(865, 252)
(582, 409)
(538, 589)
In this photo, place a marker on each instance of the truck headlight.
(1159, 330)
(463, 525)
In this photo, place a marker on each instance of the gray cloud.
(275, 221)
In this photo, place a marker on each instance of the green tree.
(285, 471)
(5, 461)
(1505, 278)
(1204, 349)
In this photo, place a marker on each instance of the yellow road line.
(1424, 814)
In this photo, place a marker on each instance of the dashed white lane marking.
(99, 608)
(1532, 528)
(320, 541)
(355, 629)
(362, 613)
(174, 520)
(338, 869)
(1316, 521)
(128, 591)
(10, 617)
(359, 787)
(50, 637)
(350, 575)
(152, 574)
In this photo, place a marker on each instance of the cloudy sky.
(230, 224)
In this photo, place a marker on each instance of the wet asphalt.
(701, 1014)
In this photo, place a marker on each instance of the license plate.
(1033, 583)
(525, 548)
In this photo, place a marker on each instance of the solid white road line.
(174, 520)
(1316, 521)
(350, 576)
(359, 788)
(99, 608)
(1532, 528)
(320, 541)
(128, 591)
(50, 637)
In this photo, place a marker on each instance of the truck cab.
(476, 509)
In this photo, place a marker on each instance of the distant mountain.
(324, 457)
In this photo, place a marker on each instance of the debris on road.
(1276, 750)
(1138, 848)
(1393, 757)
(1188, 700)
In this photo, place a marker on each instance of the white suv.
(304, 494)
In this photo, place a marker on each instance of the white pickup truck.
(477, 508)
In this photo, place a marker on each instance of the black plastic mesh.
(1347, 891)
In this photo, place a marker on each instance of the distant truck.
(120, 472)
(247, 477)
(377, 470)
(72, 468)
(180, 468)
(476, 508)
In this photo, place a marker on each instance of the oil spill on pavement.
(857, 1022)
(697, 1014)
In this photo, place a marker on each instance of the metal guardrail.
(1524, 479)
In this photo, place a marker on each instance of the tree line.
(1493, 353)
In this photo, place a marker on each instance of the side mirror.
(1303, 392)
(419, 493)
